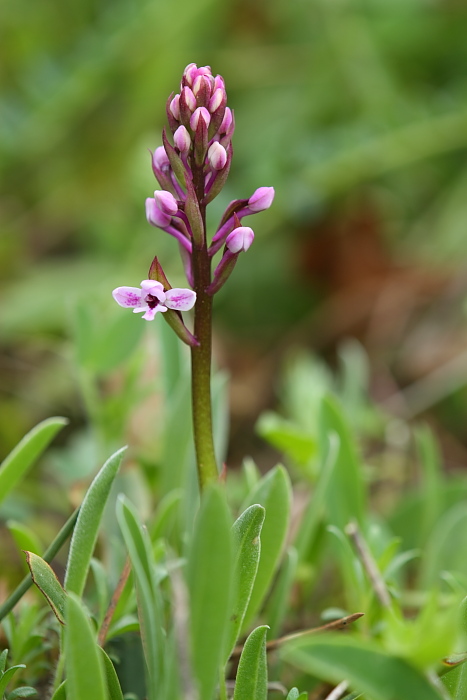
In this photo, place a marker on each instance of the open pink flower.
(151, 298)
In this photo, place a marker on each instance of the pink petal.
(150, 313)
(180, 299)
(128, 297)
(154, 288)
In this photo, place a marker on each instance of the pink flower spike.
(217, 156)
(175, 107)
(180, 299)
(199, 113)
(166, 202)
(154, 215)
(182, 139)
(240, 239)
(151, 299)
(261, 199)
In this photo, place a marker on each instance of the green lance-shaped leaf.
(3, 658)
(252, 675)
(367, 668)
(60, 693)
(209, 575)
(273, 492)
(295, 694)
(7, 676)
(15, 466)
(25, 691)
(45, 579)
(114, 689)
(83, 659)
(25, 538)
(345, 498)
(149, 604)
(247, 549)
(87, 525)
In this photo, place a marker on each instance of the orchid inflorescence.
(191, 173)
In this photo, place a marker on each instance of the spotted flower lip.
(151, 298)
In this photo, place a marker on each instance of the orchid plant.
(192, 172)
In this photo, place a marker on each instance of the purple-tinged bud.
(219, 83)
(261, 199)
(216, 100)
(200, 113)
(226, 122)
(202, 89)
(182, 139)
(166, 202)
(154, 215)
(217, 156)
(204, 70)
(175, 107)
(240, 239)
(159, 159)
(188, 99)
(189, 73)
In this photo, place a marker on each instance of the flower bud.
(159, 159)
(226, 122)
(199, 113)
(182, 139)
(216, 100)
(166, 202)
(240, 239)
(217, 156)
(188, 98)
(154, 215)
(189, 74)
(261, 199)
(175, 107)
(219, 83)
(202, 89)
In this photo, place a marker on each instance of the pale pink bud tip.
(159, 158)
(175, 107)
(216, 99)
(217, 156)
(199, 113)
(190, 72)
(261, 199)
(226, 122)
(154, 215)
(182, 139)
(166, 202)
(189, 98)
(240, 239)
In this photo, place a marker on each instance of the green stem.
(201, 355)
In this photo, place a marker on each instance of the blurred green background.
(354, 110)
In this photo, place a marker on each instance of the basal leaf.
(209, 577)
(252, 675)
(83, 659)
(87, 525)
(365, 666)
(15, 466)
(47, 582)
(273, 492)
(247, 548)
